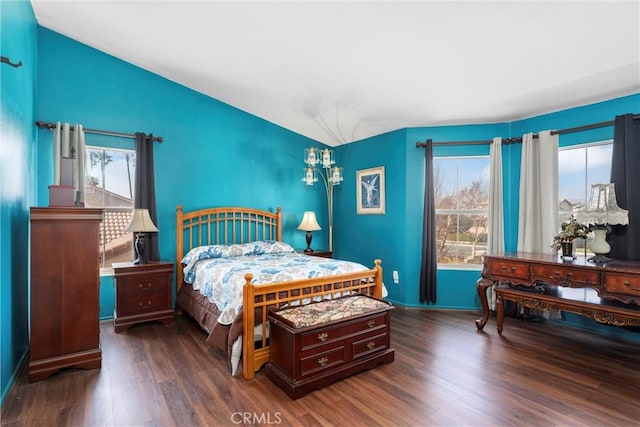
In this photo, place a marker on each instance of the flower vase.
(567, 250)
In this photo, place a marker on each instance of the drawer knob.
(323, 361)
(371, 323)
(147, 305)
(144, 287)
(628, 285)
(323, 336)
(371, 345)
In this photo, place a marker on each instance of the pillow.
(267, 247)
(259, 247)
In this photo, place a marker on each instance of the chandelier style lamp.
(602, 211)
(322, 162)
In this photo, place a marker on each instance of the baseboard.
(16, 373)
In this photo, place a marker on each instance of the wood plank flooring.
(446, 373)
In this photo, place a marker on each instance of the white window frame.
(463, 267)
(587, 189)
(108, 270)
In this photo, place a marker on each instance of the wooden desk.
(616, 280)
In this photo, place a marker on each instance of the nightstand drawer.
(142, 284)
(146, 303)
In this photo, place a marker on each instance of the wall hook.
(8, 61)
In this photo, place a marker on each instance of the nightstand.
(143, 293)
(317, 252)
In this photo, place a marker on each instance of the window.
(462, 209)
(580, 166)
(110, 175)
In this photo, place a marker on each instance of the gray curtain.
(145, 191)
(429, 267)
(625, 174)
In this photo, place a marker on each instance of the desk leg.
(499, 312)
(482, 285)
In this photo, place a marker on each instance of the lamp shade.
(141, 222)
(603, 207)
(309, 222)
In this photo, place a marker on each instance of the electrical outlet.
(396, 277)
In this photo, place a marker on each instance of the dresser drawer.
(313, 339)
(142, 284)
(509, 269)
(622, 284)
(555, 274)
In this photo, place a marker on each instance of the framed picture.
(370, 191)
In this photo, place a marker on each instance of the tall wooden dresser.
(65, 285)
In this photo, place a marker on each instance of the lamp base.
(599, 246)
(599, 259)
(308, 237)
(139, 245)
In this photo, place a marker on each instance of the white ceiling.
(339, 71)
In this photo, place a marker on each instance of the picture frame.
(370, 191)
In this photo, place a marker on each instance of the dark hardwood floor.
(446, 373)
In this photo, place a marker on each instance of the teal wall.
(396, 236)
(214, 154)
(18, 41)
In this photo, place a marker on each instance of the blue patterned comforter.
(218, 272)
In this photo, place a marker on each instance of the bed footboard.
(259, 300)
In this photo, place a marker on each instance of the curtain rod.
(52, 126)
(519, 139)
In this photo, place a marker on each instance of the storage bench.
(314, 345)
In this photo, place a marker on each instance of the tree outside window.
(109, 185)
(461, 186)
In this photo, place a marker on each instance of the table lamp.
(602, 211)
(140, 223)
(309, 224)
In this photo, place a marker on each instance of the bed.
(238, 326)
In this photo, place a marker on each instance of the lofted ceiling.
(340, 71)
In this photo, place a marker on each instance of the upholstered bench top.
(318, 313)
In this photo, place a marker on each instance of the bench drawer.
(328, 335)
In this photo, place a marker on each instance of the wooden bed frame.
(232, 225)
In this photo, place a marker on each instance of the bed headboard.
(223, 226)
